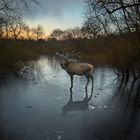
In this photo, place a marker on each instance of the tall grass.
(14, 51)
(11, 52)
(124, 52)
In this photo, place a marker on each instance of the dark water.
(38, 105)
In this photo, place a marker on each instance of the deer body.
(74, 68)
(79, 68)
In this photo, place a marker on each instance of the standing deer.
(74, 68)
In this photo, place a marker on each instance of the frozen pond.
(38, 105)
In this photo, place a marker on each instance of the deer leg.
(71, 97)
(91, 77)
(71, 77)
(87, 81)
(86, 92)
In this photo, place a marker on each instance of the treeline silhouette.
(110, 36)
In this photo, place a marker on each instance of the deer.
(76, 68)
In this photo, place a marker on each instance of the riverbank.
(119, 52)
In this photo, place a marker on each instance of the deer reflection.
(77, 105)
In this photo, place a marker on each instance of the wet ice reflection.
(38, 105)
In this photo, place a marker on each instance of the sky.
(52, 14)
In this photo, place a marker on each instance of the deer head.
(64, 63)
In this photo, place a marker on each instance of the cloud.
(57, 7)
(53, 14)
(54, 8)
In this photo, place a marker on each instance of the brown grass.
(118, 51)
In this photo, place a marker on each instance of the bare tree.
(121, 16)
(38, 32)
(76, 32)
(72, 33)
(1, 31)
(67, 35)
(6, 27)
(57, 34)
(27, 31)
(91, 28)
(11, 9)
(16, 27)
